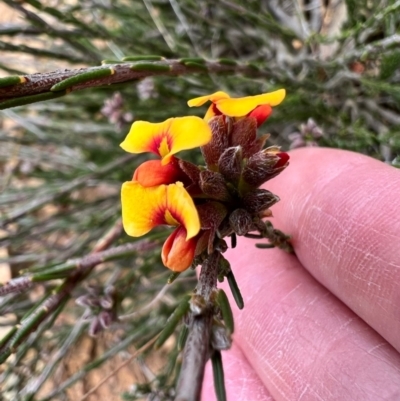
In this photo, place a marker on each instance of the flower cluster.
(204, 203)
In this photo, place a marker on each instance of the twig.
(66, 188)
(35, 384)
(197, 348)
(87, 263)
(15, 286)
(121, 345)
(42, 86)
(133, 356)
(81, 269)
(110, 236)
(47, 28)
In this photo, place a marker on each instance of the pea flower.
(204, 204)
(259, 106)
(144, 208)
(156, 195)
(166, 138)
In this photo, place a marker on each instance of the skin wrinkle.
(284, 335)
(277, 379)
(368, 271)
(335, 260)
(266, 339)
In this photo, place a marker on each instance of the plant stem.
(41, 83)
(197, 348)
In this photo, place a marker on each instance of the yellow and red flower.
(144, 208)
(167, 138)
(259, 106)
(156, 195)
(161, 191)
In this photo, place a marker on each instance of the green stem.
(125, 71)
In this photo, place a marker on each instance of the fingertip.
(341, 209)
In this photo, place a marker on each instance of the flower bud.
(263, 166)
(106, 302)
(204, 238)
(211, 216)
(244, 134)
(83, 300)
(241, 221)
(178, 253)
(219, 141)
(193, 174)
(258, 200)
(105, 319)
(213, 185)
(230, 164)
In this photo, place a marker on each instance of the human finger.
(341, 209)
(302, 341)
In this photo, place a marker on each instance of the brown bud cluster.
(226, 192)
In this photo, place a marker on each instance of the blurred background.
(62, 167)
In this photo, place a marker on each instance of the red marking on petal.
(176, 214)
(215, 110)
(261, 113)
(156, 142)
(159, 217)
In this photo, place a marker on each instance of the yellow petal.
(239, 107)
(167, 138)
(199, 101)
(144, 208)
(180, 205)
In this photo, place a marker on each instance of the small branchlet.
(73, 273)
(25, 89)
(276, 237)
